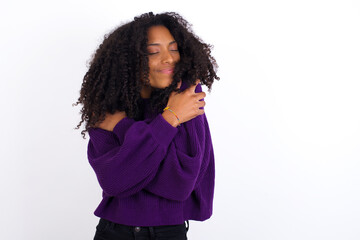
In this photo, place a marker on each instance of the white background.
(284, 117)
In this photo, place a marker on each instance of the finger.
(201, 105)
(202, 95)
(201, 111)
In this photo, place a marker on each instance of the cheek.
(177, 58)
(152, 66)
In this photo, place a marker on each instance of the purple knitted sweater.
(152, 173)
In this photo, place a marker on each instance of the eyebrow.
(157, 44)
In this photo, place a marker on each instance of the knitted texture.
(152, 173)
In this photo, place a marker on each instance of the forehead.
(159, 34)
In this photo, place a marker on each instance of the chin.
(160, 87)
(163, 85)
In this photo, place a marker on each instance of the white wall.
(284, 116)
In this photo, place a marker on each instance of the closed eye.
(174, 50)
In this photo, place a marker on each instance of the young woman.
(150, 144)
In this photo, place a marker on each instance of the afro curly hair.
(119, 68)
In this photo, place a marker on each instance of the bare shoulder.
(117, 116)
(111, 120)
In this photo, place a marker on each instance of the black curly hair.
(119, 68)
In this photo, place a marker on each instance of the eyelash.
(158, 52)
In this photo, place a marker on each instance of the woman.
(150, 143)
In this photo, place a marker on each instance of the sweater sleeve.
(186, 162)
(126, 159)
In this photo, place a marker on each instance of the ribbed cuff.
(163, 131)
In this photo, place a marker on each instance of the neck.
(145, 92)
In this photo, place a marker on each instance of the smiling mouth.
(167, 71)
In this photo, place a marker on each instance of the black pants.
(107, 230)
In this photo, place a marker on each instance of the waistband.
(147, 229)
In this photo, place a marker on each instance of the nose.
(167, 57)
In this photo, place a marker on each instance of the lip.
(167, 70)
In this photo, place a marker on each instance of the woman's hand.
(111, 120)
(186, 105)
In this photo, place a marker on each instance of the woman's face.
(163, 55)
